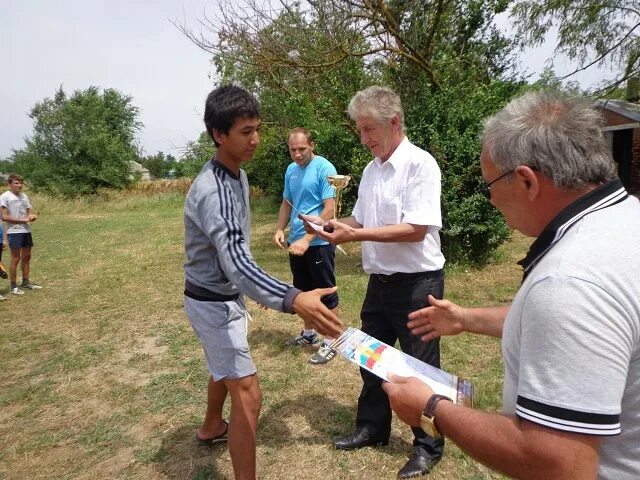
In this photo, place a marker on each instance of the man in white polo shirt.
(571, 336)
(397, 219)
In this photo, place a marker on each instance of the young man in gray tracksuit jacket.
(220, 269)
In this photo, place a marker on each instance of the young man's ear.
(218, 136)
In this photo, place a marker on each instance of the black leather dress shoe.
(417, 466)
(358, 439)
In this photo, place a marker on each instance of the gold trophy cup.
(339, 182)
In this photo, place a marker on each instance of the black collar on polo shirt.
(604, 196)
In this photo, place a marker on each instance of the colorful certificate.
(382, 359)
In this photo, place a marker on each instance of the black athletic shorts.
(315, 269)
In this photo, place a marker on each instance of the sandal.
(213, 440)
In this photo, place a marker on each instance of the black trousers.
(389, 299)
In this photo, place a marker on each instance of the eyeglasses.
(486, 187)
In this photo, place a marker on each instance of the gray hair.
(381, 103)
(558, 135)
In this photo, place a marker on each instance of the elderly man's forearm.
(518, 448)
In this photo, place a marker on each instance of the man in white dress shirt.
(397, 219)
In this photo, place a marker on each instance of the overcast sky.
(127, 45)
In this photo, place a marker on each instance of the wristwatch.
(428, 421)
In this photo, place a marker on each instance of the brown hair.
(15, 176)
(304, 131)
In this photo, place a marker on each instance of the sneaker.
(304, 340)
(17, 291)
(324, 355)
(30, 286)
(2, 298)
(3, 272)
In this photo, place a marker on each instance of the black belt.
(204, 295)
(402, 276)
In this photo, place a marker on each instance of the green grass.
(102, 376)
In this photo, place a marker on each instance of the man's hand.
(315, 314)
(333, 231)
(299, 247)
(442, 317)
(408, 397)
(32, 217)
(308, 219)
(279, 240)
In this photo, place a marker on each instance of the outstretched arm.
(213, 214)
(348, 230)
(443, 317)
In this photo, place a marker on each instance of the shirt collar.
(606, 195)
(396, 157)
(216, 164)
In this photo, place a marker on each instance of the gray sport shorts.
(222, 330)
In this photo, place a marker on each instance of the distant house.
(4, 178)
(622, 129)
(137, 169)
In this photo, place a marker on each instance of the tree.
(305, 59)
(310, 37)
(80, 143)
(6, 165)
(592, 32)
(196, 154)
(159, 165)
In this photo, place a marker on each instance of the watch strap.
(430, 409)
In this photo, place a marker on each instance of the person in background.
(17, 212)
(312, 259)
(571, 336)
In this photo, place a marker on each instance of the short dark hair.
(225, 105)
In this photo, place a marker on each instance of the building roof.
(622, 107)
(137, 167)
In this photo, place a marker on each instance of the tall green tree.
(591, 32)
(80, 143)
(305, 59)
